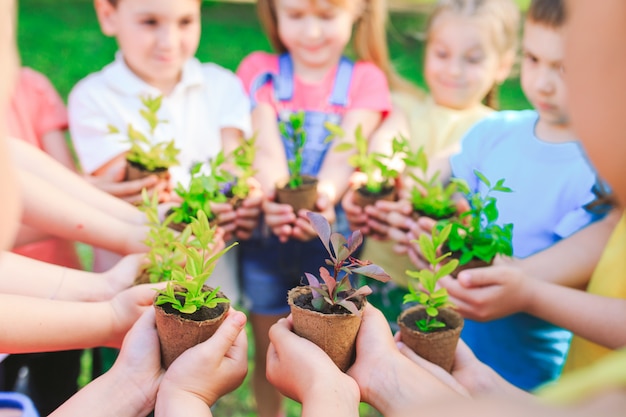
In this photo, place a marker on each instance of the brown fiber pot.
(364, 198)
(134, 171)
(177, 332)
(334, 333)
(474, 263)
(303, 197)
(437, 347)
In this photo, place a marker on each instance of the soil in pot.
(437, 346)
(135, 171)
(303, 197)
(334, 330)
(179, 227)
(363, 197)
(178, 331)
(473, 263)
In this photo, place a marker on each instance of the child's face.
(461, 63)
(156, 37)
(315, 32)
(542, 73)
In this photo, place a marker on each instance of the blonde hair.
(502, 19)
(369, 39)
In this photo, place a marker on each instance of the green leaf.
(482, 178)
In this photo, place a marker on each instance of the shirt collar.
(120, 77)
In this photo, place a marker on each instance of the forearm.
(596, 318)
(176, 403)
(53, 211)
(271, 160)
(41, 165)
(55, 144)
(108, 395)
(571, 261)
(48, 325)
(24, 276)
(329, 400)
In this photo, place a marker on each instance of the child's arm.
(493, 292)
(334, 175)
(55, 144)
(29, 158)
(53, 211)
(271, 160)
(41, 325)
(20, 275)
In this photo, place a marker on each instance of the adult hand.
(208, 370)
(302, 371)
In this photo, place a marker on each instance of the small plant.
(198, 267)
(430, 198)
(203, 190)
(431, 298)
(293, 132)
(164, 254)
(243, 161)
(146, 152)
(333, 292)
(378, 168)
(475, 235)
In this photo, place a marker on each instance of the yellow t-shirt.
(602, 376)
(608, 280)
(436, 128)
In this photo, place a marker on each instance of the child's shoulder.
(97, 82)
(31, 81)
(509, 120)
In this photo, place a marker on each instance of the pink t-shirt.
(368, 86)
(35, 109)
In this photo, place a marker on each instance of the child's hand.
(490, 293)
(378, 216)
(121, 276)
(388, 381)
(302, 371)
(208, 370)
(404, 231)
(126, 307)
(302, 229)
(249, 212)
(357, 217)
(226, 217)
(279, 218)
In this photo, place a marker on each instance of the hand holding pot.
(120, 277)
(390, 382)
(356, 215)
(325, 390)
(302, 229)
(380, 214)
(279, 217)
(248, 213)
(490, 293)
(205, 372)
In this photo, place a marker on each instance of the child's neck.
(554, 133)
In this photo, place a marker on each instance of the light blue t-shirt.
(551, 183)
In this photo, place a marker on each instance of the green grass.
(62, 39)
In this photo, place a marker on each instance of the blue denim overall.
(270, 268)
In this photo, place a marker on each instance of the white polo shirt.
(207, 99)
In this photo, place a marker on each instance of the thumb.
(462, 205)
(480, 277)
(227, 333)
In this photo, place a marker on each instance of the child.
(311, 75)
(470, 48)
(538, 155)
(204, 105)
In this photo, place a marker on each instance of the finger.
(480, 277)
(128, 188)
(226, 335)
(426, 223)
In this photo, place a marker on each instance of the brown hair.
(547, 12)
(500, 17)
(369, 39)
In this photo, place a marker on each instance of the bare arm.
(29, 158)
(54, 211)
(270, 161)
(55, 145)
(571, 261)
